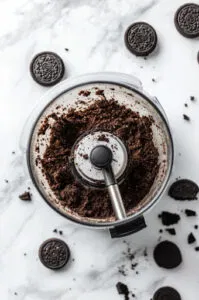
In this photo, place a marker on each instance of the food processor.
(99, 159)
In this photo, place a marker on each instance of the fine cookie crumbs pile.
(106, 116)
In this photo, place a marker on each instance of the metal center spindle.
(101, 157)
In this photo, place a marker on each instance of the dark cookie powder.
(108, 116)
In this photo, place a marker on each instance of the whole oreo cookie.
(47, 68)
(187, 20)
(54, 253)
(140, 38)
(166, 293)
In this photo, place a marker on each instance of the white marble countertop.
(93, 31)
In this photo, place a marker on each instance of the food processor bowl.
(128, 91)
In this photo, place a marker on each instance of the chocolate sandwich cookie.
(167, 255)
(187, 20)
(140, 38)
(47, 68)
(54, 253)
(183, 189)
(166, 293)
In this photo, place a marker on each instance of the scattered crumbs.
(133, 266)
(15, 293)
(145, 58)
(60, 232)
(191, 238)
(153, 79)
(192, 98)
(13, 152)
(99, 92)
(29, 188)
(6, 180)
(85, 156)
(73, 259)
(169, 218)
(123, 290)
(160, 231)
(66, 49)
(197, 248)
(25, 196)
(136, 272)
(187, 118)
(133, 295)
(171, 231)
(55, 230)
(74, 279)
(186, 105)
(190, 213)
(103, 138)
(141, 67)
(122, 270)
(145, 252)
(196, 226)
(25, 254)
(84, 93)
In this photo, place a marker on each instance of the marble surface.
(93, 32)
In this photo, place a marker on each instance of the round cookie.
(166, 293)
(140, 38)
(54, 253)
(187, 20)
(183, 189)
(47, 68)
(167, 255)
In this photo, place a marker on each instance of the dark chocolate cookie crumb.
(197, 248)
(85, 156)
(191, 238)
(6, 180)
(66, 49)
(167, 255)
(25, 196)
(186, 105)
(190, 213)
(153, 79)
(60, 232)
(84, 93)
(15, 293)
(192, 98)
(25, 254)
(122, 270)
(169, 218)
(136, 272)
(171, 231)
(103, 138)
(55, 230)
(160, 231)
(196, 226)
(166, 293)
(133, 266)
(123, 290)
(13, 152)
(54, 253)
(145, 252)
(187, 118)
(183, 189)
